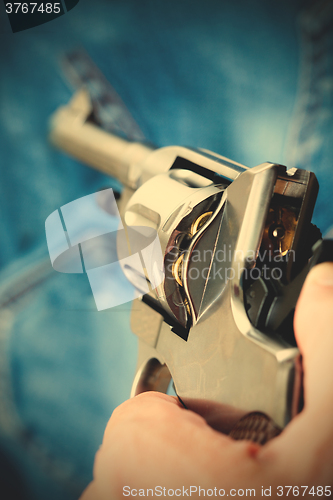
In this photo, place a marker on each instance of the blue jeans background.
(252, 81)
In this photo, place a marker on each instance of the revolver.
(236, 245)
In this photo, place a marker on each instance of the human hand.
(151, 440)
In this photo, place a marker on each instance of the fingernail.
(322, 275)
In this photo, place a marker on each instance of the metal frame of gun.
(220, 328)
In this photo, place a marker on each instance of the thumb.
(314, 335)
(304, 448)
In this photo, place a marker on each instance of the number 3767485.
(30, 8)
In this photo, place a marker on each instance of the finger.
(90, 493)
(305, 448)
(147, 406)
(153, 428)
(314, 335)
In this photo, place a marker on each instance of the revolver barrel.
(72, 130)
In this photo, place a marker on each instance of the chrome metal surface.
(225, 362)
(195, 329)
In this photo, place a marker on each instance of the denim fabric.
(249, 80)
